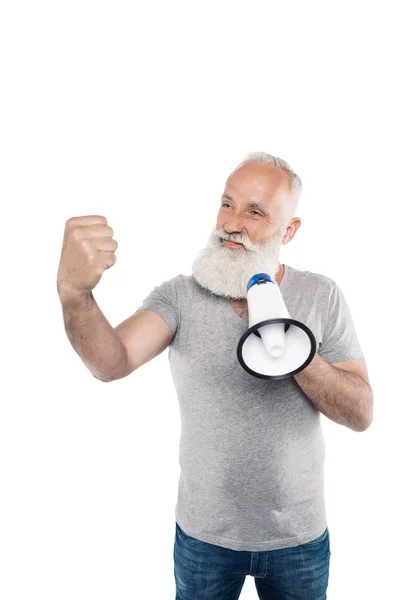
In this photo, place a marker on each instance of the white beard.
(226, 271)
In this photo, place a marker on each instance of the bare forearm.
(340, 395)
(93, 337)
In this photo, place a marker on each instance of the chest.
(205, 349)
(240, 308)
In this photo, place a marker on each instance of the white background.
(139, 112)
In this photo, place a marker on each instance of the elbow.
(365, 423)
(111, 378)
(103, 379)
(361, 427)
(119, 373)
(367, 417)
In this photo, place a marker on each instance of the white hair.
(294, 180)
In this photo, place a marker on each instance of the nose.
(233, 224)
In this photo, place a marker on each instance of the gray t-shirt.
(251, 450)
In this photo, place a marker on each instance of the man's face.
(252, 212)
(263, 186)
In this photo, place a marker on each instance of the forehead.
(256, 181)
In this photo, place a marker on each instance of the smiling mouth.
(230, 243)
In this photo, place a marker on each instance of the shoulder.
(313, 281)
(176, 286)
(181, 282)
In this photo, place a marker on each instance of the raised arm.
(109, 353)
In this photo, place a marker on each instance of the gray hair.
(294, 179)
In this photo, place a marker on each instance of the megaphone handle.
(256, 332)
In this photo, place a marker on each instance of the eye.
(256, 212)
(225, 204)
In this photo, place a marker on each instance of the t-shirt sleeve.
(339, 340)
(163, 300)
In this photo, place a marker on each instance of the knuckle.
(74, 233)
(73, 221)
(85, 245)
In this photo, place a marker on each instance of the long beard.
(226, 271)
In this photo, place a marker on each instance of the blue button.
(256, 278)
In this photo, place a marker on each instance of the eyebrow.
(249, 204)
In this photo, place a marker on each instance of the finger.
(108, 259)
(105, 244)
(86, 220)
(94, 231)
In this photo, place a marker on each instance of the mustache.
(242, 238)
(230, 238)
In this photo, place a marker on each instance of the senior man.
(251, 489)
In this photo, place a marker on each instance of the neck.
(240, 305)
(280, 274)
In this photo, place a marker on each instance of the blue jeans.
(204, 571)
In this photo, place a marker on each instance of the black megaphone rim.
(268, 322)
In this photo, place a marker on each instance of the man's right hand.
(88, 250)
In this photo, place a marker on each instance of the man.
(251, 491)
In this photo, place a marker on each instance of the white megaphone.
(275, 346)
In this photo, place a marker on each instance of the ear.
(291, 230)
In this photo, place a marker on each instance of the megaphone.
(275, 346)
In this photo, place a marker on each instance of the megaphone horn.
(275, 346)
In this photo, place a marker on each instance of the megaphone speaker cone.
(276, 361)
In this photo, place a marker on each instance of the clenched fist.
(88, 250)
